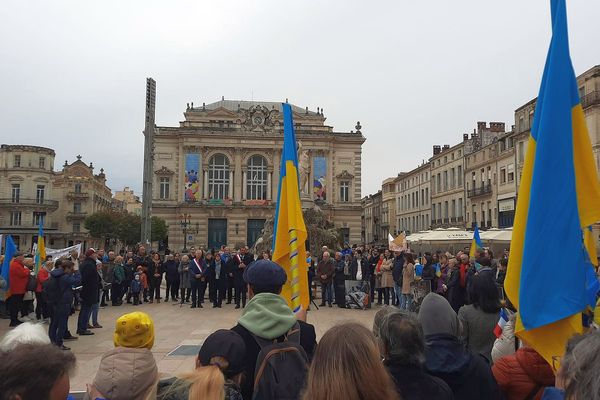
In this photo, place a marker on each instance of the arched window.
(256, 186)
(218, 177)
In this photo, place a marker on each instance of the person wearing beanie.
(267, 316)
(218, 373)
(129, 370)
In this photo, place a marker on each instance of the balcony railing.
(76, 215)
(28, 202)
(78, 195)
(590, 99)
(480, 191)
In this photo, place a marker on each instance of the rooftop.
(235, 105)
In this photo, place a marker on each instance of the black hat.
(265, 273)
(227, 344)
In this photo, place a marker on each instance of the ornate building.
(126, 200)
(30, 191)
(220, 170)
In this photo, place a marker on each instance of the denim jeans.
(406, 301)
(326, 293)
(398, 294)
(84, 317)
(58, 323)
(94, 314)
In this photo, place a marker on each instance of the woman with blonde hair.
(338, 367)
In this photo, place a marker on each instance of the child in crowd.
(136, 288)
(144, 280)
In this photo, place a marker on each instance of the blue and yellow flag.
(290, 233)
(40, 252)
(9, 252)
(475, 243)
(559, 198)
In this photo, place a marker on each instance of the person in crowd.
(371, 276)
(90, 290)
(34, 372)
(184, 279)
(130, 270)
(419, 263)
(359, 267)
(378, 273)
(266, 255)
(523, 375)
(428, 274)
(325, 272)
(268, 317)
(143, 259)
(198, 278)
(403, 347)
(408, 277)
(144, 280)
(217, 276)
(380, 316)
(93, 321)
(339, 279)
(218, 373)
(347, 266)
(105, 271)
(398, 267)
(387, 277)
(136, 286)
(42, 311)
(501, 272)
(210, 265)
(343, 355)
(468, 374)
(29, 296)
(444, 275)
(118, 284)
(239, 263)
(18, 278)
(577, 377)
(507, 344)
(129, 370)
(59, 294)
(479, 318)
(25, 333)
(172, 276)
(155, 274)
(310, 267)
(457, 284)
(226, 261)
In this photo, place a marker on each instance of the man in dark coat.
(239, 263)
(359, 269)
(267, 316)
(325, 272)
(397, 275)
(90, 290)
(172, 276)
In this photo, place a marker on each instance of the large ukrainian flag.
(475, 243)
(290, 233)
(40, 252)
(559, 198)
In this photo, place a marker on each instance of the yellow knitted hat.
(134, 330)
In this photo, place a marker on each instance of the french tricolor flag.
(501, 323)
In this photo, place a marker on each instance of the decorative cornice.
(345, 175)
(164, 171)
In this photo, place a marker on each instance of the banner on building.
(320, 178)
(58, 253)
(191, 181)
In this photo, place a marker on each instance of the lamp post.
(186, 227)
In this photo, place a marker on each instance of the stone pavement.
(175, 326)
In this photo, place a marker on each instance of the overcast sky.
(415, 73)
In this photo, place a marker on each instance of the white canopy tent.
(454, 239)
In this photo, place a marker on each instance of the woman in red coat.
(41, 307)
(523, 375)
(18, 278)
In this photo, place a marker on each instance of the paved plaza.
(175, 326)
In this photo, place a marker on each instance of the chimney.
(481, 126)
(446, 147)
(465, 137)
(436, 150)
(497, 126)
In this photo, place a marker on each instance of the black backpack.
(281, 368)
(51, 290)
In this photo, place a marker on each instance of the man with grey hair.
(402, 344)
(325, 272)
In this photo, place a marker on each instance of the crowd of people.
(448, 349)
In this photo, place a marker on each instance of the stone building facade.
(371, 219)
(413, 199)
(30, 191)
(128, 201)
(388, 207)
(447, 186)
(220, 168)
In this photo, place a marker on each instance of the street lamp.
(186, 227)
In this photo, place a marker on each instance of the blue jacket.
(65, 285)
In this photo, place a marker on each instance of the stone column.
(231, 183)
(269, 184)
(276, 166)
(205, 194)
(244, 185)
(237, 172)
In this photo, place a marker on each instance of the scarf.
(463, 275)
(378, 268)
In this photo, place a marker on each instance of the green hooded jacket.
(268, 316)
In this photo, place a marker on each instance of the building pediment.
(164, 171)
(345, 175)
